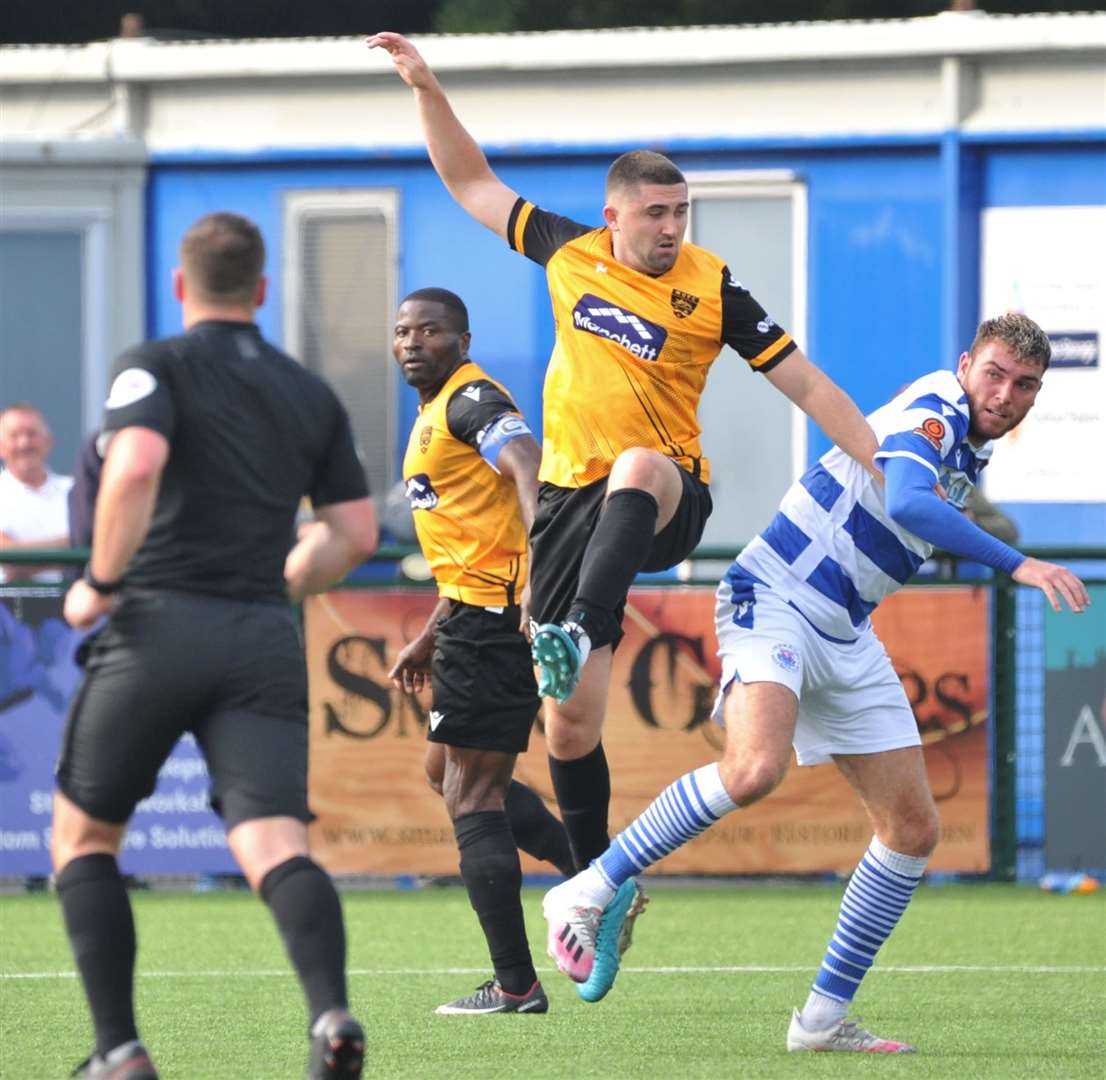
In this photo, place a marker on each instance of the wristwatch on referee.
(105, 588)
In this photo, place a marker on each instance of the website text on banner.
(174, 831)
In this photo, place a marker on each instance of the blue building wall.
(893, 247)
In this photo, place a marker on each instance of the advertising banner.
(173, 832)
(377, 815)
(1075, 736)
(1047, 458)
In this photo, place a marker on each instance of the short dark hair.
(448, 300)
(222, 256)
(642, 167)
(1025, 339)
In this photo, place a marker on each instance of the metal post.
(1004, 833)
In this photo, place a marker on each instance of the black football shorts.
(484, 693)
(229, 671)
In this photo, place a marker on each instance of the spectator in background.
(33, 511)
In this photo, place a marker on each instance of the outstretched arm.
(454, 153)
(913, 504)
(828, 406)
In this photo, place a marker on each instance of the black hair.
(448, 300)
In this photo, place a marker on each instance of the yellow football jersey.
(466, 513)
(632, 352)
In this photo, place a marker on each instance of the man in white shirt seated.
(33, 500)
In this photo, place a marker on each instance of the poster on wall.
(376, 814)
(174, 831)
(1047, 262)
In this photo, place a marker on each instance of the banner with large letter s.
(377, 815)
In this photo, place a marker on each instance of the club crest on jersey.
(933, 431)
(420, 492)
(425, 436)
(638, 336)
(786, 657)
(683, 304)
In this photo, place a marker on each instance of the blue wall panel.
(1045, 175)
(874, 251)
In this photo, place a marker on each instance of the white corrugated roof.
(963, 34)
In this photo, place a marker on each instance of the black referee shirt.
(250, 433)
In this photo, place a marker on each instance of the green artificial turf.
(986, 980)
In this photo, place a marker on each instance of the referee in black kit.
(215, 436)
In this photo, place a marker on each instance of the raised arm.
(828, 406)
(454, 153)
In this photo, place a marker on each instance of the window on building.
(339, 290)
(52, 310)
(755, 438)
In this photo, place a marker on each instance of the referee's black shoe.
(490, 997)
(127, 1062)
(337, 1047)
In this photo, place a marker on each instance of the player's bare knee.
(571, 731)
(748, 781)
(474, 799)
(925, 834)
(74, 834)
(915, 832)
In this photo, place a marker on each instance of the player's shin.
(493, 878)
(878, 893)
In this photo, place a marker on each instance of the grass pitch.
(987, 980)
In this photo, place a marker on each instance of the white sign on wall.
(1048, 262)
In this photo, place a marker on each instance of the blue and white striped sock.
(880, 889)
(683, 810)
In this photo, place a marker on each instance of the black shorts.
(229, 671)
(485, 696)
(567, 517)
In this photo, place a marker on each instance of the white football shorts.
(850, 699)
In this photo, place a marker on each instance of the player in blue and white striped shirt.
(801, 666)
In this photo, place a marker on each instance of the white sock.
(590, 888)
(821, 1012)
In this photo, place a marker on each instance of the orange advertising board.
(377, 815)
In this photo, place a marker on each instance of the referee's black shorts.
(484, 693)
(229, 671)
(567, 517)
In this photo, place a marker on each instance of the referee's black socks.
(308, 914)
(100, 925)
(616, 551)
(493, 878)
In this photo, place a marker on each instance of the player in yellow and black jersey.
(640, 317)
(471, 477)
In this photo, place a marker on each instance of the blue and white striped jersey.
(831, 551)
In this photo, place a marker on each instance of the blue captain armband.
(498, 433)
(913, 504)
